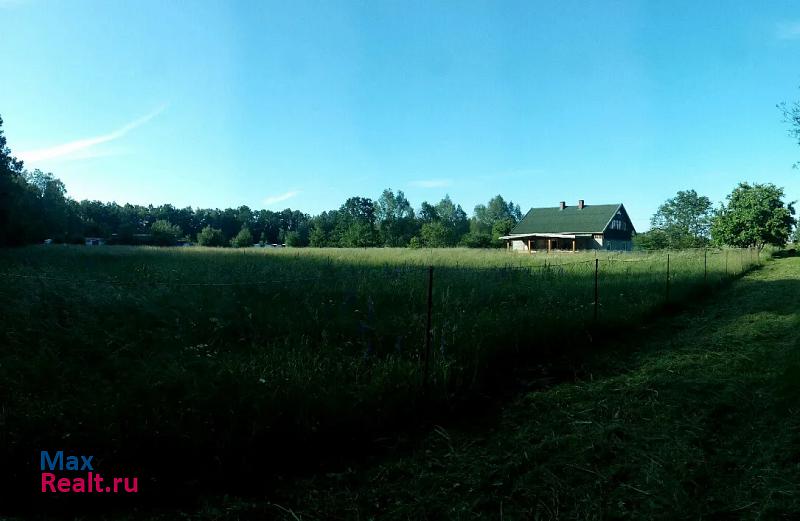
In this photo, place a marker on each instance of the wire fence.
(430, 312)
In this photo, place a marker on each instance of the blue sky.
(303, 104)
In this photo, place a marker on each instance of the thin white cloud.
(788, 30)
(82, 146)
(273, 199)
(431, 183)
(8, 4)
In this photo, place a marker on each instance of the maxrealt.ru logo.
(88, 481)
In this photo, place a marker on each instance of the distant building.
(94, 241)
(572, 228)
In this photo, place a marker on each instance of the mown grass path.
(695, 416)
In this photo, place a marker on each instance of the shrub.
(164, 233)
(293, 239)
(434, 235)
(209, 236)
(500, 228)
(243, 239)
(476, 240)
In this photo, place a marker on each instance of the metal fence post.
(428, 332)
(596, 288)
(726, 263)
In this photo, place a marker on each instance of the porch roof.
(514, 236)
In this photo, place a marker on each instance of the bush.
(434, 235)
(500, 228)
(476, 240)
(243, 239)
(164, 233)
(415, 243)
(293, 240)
(209, 236)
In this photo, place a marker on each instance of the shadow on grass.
(183, 446)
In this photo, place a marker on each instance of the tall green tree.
(684, 221)
(356, 223)
(323, 230)
(165, 233)
(453, 218)
(209, 236)
(395, 218)
(427, 213)
(497, 209)
(435, 235)
(755, 215)
(243, 239)
(499, 228)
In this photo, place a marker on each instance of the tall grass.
(229, 360)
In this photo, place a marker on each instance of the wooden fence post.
(596, 288)
(705, 266)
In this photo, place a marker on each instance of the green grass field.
(229, 362)
(694, 416)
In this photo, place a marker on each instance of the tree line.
(752, 215)
(34, 207)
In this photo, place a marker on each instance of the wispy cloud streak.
(273, 199)
(431, 183)
(788, 30)
(68, 149)
(7, 4)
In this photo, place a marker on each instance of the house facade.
(573, 228)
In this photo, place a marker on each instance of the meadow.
(205, 368)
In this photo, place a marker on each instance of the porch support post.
(573, 244)
(548, 245)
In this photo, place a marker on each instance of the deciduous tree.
(209, 236)
(755, 215)
(683, 221)
(164, 233)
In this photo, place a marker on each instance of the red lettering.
(48, 480)
(134, 488)
(64, 485)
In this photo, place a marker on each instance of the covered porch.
(548, 242)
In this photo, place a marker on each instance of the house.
(94, 241)
(572, 228)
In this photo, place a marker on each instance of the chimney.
(580, 204)
(563, 205)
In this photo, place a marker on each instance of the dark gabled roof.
(593, 218)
